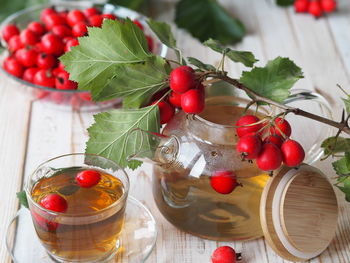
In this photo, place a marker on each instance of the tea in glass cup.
(77, 203)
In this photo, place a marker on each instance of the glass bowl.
(75, 99)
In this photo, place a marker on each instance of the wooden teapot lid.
(299, 213)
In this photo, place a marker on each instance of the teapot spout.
(151, 147)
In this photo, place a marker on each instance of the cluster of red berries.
(56, 203)
(315, 7)
(268, 143)
(34, 51)
(187, 93)
(225, 254)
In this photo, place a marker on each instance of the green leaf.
(274, 80)
(132, 4)
(163, 32)
(285, 2)
(347, 104)
(206, 19)
(137, 83)
(342, 166)
(109, 135)
(97, 58)
(199, 64)
(22, 197)
(245, 57)
(336, 145)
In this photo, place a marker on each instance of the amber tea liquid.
(89, 230)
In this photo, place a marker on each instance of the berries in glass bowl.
(36, 37)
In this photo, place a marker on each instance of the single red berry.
(52, 44)
(37, 28)
(79, 30)
(12, 66)
(88, 178)
(29, 73)
(224, 254)
(15, 43)
(249, 146)
(46, 61)
(9, 31)
(62, 81)
(27, 57)
(149, 43)
(88, 12)
(282, 127)
(96, 20)
(56, 71)
(44, 78)
(270, 157)
(175, 99)
(62, 31)
(301, 6)
(28, 37)
(54, 202)
(293, 153)
(275, 139)
(328, 5)
(247, 125)
(193, 101)
(44, 223)
(166, 111)
(138, 23)
(74, 17)
(223, 182)
(109, 16)
(46, 12)
(53, 20)
(315, 8)
(182, 79)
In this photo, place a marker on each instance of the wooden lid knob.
(299, 213)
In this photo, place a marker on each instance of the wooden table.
(32, 131)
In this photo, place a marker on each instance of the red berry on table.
(52, 44)
(275, 139)
(109, 16)
(29, 73)
(46, 12)
(9, 31)
(88, 178)
(175, 99)
(193, 101)
(315, 8)
(54, 202)
(270, 157)
(182, 79)
(44, 78)
(138, 23)
(79, 30)
(282, 127)
(301, 6)
(15, 43)
(223, 182)
(13, 67)
(53, 20)
(247, 124)
(28, 37)
(88, 12)
(46, 61)
(293, 153)
(150, 43)
(62, 81)
(166, 111)
(224, 254)
(328, 6)
(96, 20)
(37, 28)
(62, 31)
(27, 57)
(249, 146)
(74, 17)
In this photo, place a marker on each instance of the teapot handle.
(306, 131)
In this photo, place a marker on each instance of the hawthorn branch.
(342, 125)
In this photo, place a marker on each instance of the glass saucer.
(136, 243)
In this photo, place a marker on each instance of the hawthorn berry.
(328, 6)
(88, 12)
(53, 20)
(175, 99)
(44, 223)
(27, 57)
(223, 182)
(88, 178)
(46, 61)
(247, 124)
(54, 202)
(109, 16)
(45, 12)
(79, 30)
(96, 20)
(62, 81)
(182, 79)
(283, 126)
(52, 44)
(301, 6)
(29, 73)
(12, 66)
(224, 254)
(270, 157)
(62, 31)
(74, 17)
(37, 28)
(275, 139)
(293, 153)
(249, 146)
(315, 8)
(15, 43)
(166, 111)
(28, 37)
(44, 78)
(9, 31)
(193, 101)
(71, 43)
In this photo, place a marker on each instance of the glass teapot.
(192, 147)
